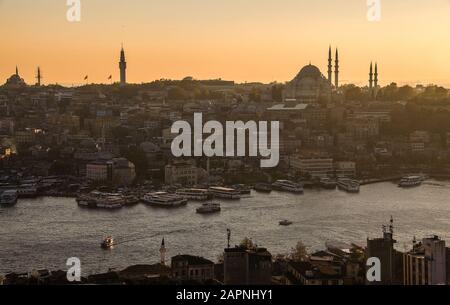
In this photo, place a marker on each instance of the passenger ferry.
(193, 194)
(225, 193)
(328, 183)
(263, 187)
(165, 200)
(27, 191)
(411, 181)
(244, 190)
(209, 208)
(100, 200)
(8, 197)
(288, 186)
(349, 185)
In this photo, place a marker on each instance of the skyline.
(408, 43)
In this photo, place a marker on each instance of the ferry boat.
(225, 193)
(209, 208)
(411, 181)
(8, 197)
(328, 183)
(27, 191)
(349, 185)
(107, 243)
(163, 199)
(194, 194)
(288, 186)
(285, 223)
(99, 200)
(131, 200)
(263, 188)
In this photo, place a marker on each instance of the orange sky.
(242, 40)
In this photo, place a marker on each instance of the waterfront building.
(123, 171)
(192, 268)
(306, 273)
(426, 263)
(182, 173)
(99, 171)
(244, 266)
(314, 167)
(345, 169)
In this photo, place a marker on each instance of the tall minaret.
(163, 251)
(376, 81)
(330, 66)
(371, 78)
(123, 68)
(336, 70)
(17, 71)
(38, 77)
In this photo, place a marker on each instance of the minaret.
(38, 77)
(330, 66)
(376, 81)
(336, 70)
(163, 251)
(123, 68)
(371, 78)
(17, 71)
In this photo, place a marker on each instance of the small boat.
(107, 243)
(285, 223)
(328, 183)
(209, 208)
(8, 197)
(349, 185)
(411, 181)
(288, 186)
(263, 188)
(165, 200)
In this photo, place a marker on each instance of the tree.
(299, 253)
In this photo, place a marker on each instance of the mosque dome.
(309, 71)
(15, 80)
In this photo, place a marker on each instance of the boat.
(27, 191)
(209, 208)
(100, 200)
(285, 223)
(8, 197)
(131, 200)
(349, 185)
(411, 181)
(263, 188)
(225, 193)
(107, 243)
(165, 200)
(243, 189)
(288, 186)
(328, 183)
(194, 194)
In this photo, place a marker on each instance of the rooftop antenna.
(228, 237)
(391, 226)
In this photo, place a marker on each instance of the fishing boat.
(209, 208)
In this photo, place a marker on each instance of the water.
(45, 232)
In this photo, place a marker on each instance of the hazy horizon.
(252, 41)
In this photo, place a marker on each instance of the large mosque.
(311, 86)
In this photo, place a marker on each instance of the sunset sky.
(241, 40)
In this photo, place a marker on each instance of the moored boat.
(328, 183)
(193, 194)
(8, 197)
(225, 193)
(411, 181)
(349, 185)
(165, 200)
(288, 186)
(263, 188)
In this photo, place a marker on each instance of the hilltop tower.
(123, 68)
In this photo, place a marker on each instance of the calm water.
(43, 233)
